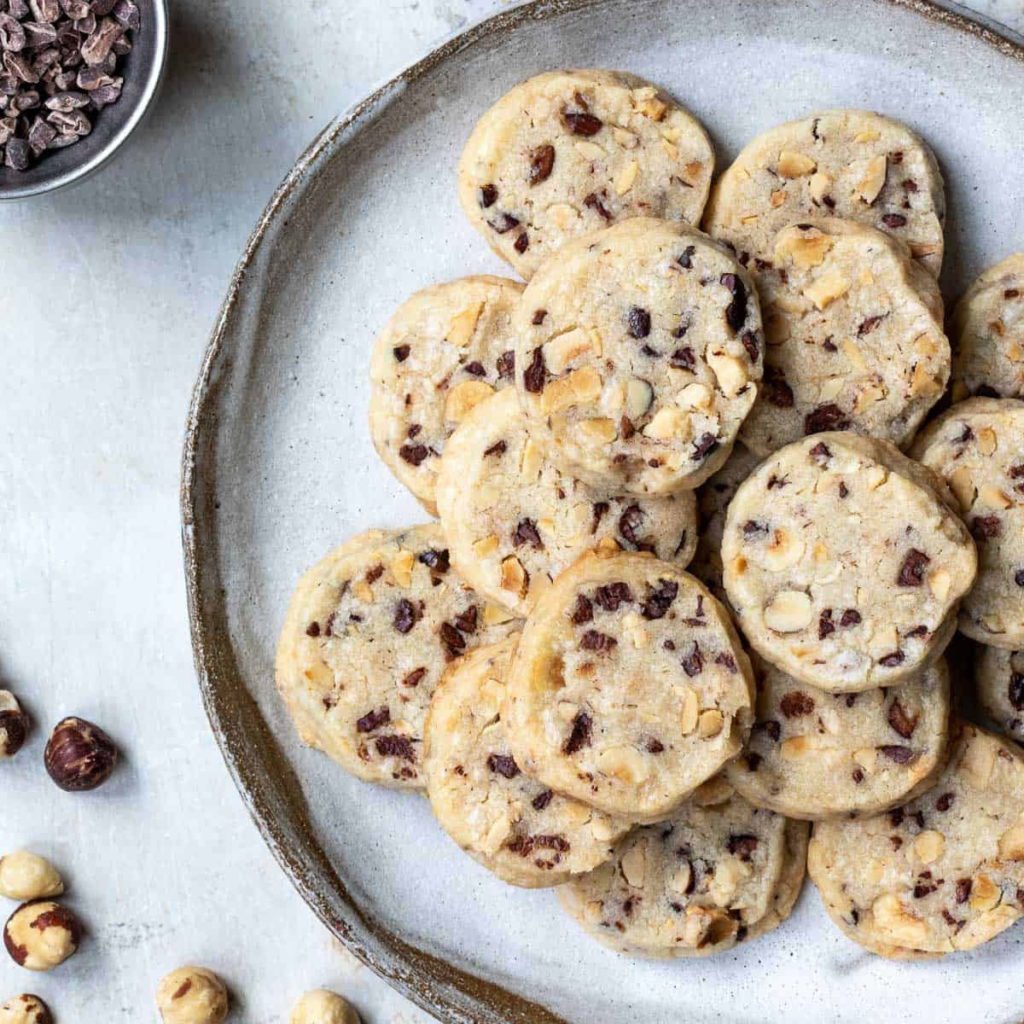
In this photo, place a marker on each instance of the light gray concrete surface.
(108, 295)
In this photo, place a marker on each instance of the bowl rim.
(446, 991)
(161, 19)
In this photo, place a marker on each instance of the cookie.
(445, 349)
(978, 447)
(848, 163)
(855, 339)
(638, 353)
(516, 827)
(999, 687)
(813, 754)
(514, 521)
(717, 872)
(629, 687)
(712, 501)
(845, 561)
(569, 152)
(369, 631)
(988, 330)
(941, 874)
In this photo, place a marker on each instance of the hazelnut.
(26, 876)
(323, 1007)
(13, 725)
(42, 935)
(26, 1009)
(192, 995)
(79, 755)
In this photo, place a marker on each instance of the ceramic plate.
(279, 468)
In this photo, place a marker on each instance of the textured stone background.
(109, 293)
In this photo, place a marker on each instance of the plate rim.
(447, 992)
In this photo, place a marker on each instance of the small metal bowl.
(142, 69)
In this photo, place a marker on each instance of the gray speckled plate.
(279, 467)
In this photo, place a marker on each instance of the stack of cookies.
(582, 711)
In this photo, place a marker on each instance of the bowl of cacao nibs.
(76, 78)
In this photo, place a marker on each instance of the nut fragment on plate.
(192, 995)
(716, 872)
(27, 876)
(845, 562)
(844, 163)
(652, 401)
(41, 935)
(13, 725)
(25, 1009)
(79, 755)
(940, 874)
(323, 1007)
(568, 152)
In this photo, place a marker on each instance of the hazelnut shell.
(79, 756)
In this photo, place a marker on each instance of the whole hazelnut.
(26, 876)
(26, 1009)
(323, 1007)
(192, 995)
(79, 755)
(41, 935)
(13, 725)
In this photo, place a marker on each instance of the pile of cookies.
(755, 399)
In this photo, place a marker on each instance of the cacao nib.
(436, 560)
(945, 802)
(826, 627)
(406, 616)
(630, 521)
(893, 659)
(539, 316)
(825, 417)
(821, 453)
(911, 572)
(626, 428)
(581, 123)
(452, 638)
(693, 663)
(654, 746)
(503, 764)
(595, 641)
(401, 353)
(751, 346)
(638, 322)
(796, 704)
(1015, 691)
(526, 533)
(374, 574)
(659, 599)
(466, 621)
(685, 258)
(414, 678)
(313, 629)
(583, 612)
(851, 617)
(395, 746)
(894, 220)
(580, 736)
(593, 202)
(736, 311)
(742, 846)
(414, 454)
(900, 721)
(610, 596)
(522, 243)
(777, 392)
(542, 161)
(683, 359)
(751, 528)
(488, 196)
(498, 448)
(984, 528)
(726, 660)
(704, 445)
(374, 720)
(506, 365)
(600, 511)
(475, 369)
(868, 325)
(963, 889)
(536, 373)
(858, 775)
(541, 800)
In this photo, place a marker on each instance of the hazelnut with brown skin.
(79, 755)
(192, 995)
(26, 1009)
(26, 876)
(13, 725)
(42, 935)
(323, 1007)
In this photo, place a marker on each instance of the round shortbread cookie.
(848, 163)
(712, 502)
(638, 353)
(855, 339)
(717, 872)
(999, 687)
(517, 828)
(844, 562)
(569, 152)
(629, 687)
(977, 446)
(988, 332)
(368, 633)
(944, 872)
(445, 349)
(813, 754)
(514, 521)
